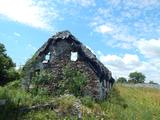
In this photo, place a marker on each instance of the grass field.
(124, 103)
(143, 103)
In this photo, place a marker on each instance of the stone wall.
(62, 58)
(59, 49)
(93, 88)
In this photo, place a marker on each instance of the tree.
(152, 82)
(7, 70)
(136, 77)
(122, 80)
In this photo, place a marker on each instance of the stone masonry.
(59, 49)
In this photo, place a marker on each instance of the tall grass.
(143, 103)
(123, 103)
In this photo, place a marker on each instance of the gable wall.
(60, 56)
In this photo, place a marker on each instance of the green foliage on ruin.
(40, 82)
(73, 82)
(42, 78)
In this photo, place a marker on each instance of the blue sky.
(124, 34)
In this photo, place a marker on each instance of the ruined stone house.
(62, 49)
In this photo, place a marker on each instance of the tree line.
(134, 77)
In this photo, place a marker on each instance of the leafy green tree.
(121, 80)
(152, 82)
(136, 77)
(7, 71)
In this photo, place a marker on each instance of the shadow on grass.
(9, 111)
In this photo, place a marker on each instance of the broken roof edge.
(63, 34)
(59, 35)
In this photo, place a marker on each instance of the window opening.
(47, 58)
(74, 56)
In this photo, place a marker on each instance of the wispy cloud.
(149, 48)
(134, 3)
(120, 38)
(17, 34)
(129, 20)
(104, 29)
(83, 3)
(37, 14)
(127, 62)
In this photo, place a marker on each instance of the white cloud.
(119, 34)
(130, 59)
(149, 48)
(84, 3)
(122, 66)
(103, 29)
(28, 12)
(17, 34)
(127, 62)
(108, 58)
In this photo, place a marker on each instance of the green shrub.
(39, 81)
(42, 78)
(66, 105)
(73, 82)
(87, 101)
(15, 84)
(39, 91)
(17, 98)
(41, 115)
(121, 80)
(13, 74)
(14, 99)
